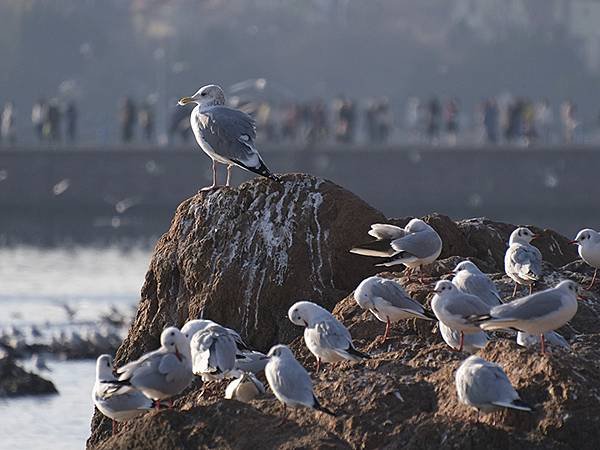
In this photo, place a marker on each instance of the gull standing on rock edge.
(523, 261)
(453, 308)
(484, 386)
(225, 134)
(290, 382)
(117, 402)
(588, 242)
(325, 336)
(163, 373)
(388, 301)
(415, 245)
(535, 314)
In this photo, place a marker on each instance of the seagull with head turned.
(414, 246)
(523, 261)
(225, 134)
(454, 308)
(588, 242)
(388, 302)
(484, 386)
(470, 279)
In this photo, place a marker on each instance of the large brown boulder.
(242, 256)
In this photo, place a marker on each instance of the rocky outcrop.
(15, 381)
(223, 258)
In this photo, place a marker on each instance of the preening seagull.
(468, 278)
(388, 301)
(225, 134)
(523, 261)
(415, 245)
(163, 373)
(213, 353)
(325, 336)
(588, 242)
(115, 401)
(484, 386)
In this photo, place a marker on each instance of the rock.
(242, 256)
(15, 381)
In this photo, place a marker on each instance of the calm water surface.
(34, 284)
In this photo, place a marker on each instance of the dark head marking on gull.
(225, 134)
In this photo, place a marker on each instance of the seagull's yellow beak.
(185, 100)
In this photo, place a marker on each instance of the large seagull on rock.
(225, 134)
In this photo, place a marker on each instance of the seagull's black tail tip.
(265, 172)
(321, 408)
(358, 354)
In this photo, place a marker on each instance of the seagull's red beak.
(178, 355)
(573, 242)
(536, 236)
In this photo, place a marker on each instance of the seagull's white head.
(362, 294)
(585, 237)
(304, 313)
(522, 235)
(104, 368)
(280, 351)
(210, 95)
(416, 225)
(467, 266)
(174, 341)
(568, 286)
(444, 287)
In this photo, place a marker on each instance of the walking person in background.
(52, 125)
(146, 120)
(433, 120)
(127, 119)
(491, 120)
(39, 116)
(544, 118)
(451, 120)
(71, 121)
(8, 134)
(569, 121)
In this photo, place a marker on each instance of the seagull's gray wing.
(125, 402)
(231, 134)
(250, 361)
(489, 385)
(465, 305)
(422, 244)
(168, 365)
(528, 308)
(129, 369)
(222, 353)
(527, 261)
(292, 381)
(333, 334)
(481, 286)
(392, 292)
(386, 232)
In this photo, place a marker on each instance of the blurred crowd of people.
(436, 120)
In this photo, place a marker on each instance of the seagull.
(469, 279)
(325, 336)
(289, 381)
(588, 242)
(550, 337)
(244, 388)
(415, 245)
(535, 314)
(225, 134)
(453, 308)
(471, 341)
(192, 327)
(163, 373)
(388, 301)
(112, 399)
(484, 386)
(213, 353)
(523, 261)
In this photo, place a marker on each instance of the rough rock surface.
(404, 396)
(15, 381)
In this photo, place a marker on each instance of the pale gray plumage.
(472, 342)
(551, 337)
(289, 381)
(250, 361)
(244, 388)
(114, 400)
(484, 386)
(454, 308)
(213, 353)
(523, 261)
(162, 373)
(469, 279)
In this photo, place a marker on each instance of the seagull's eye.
(203, 94)
(172, 343)
(172, 333)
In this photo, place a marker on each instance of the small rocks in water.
(15, 381)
